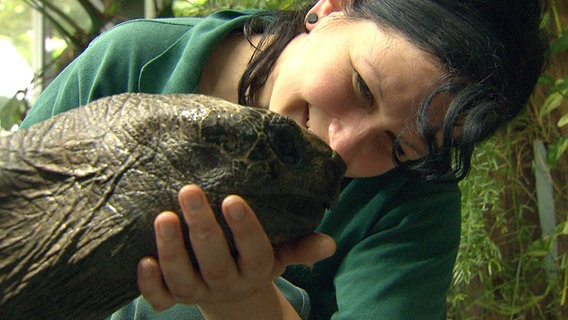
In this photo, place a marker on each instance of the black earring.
(312, 18)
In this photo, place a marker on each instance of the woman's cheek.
(330, 95)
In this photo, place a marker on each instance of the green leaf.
(556, 149)
(565, 229)
(539, 248)
(552, 102)
(563, 121)
(546, 80)
(562, 85)
(560, 44)
(11, 112)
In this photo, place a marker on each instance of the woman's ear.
(324, 8)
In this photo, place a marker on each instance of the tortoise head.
(287, 175)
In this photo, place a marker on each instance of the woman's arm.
(223, 287)
(266, 303)
(111, 64)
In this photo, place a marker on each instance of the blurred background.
(513, 259)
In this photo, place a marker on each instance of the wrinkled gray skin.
(79, 192)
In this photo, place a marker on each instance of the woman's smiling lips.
(306, 117)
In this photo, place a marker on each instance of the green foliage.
(557, 96)
(561, 44)
(15, 17)
(478, 256)
(557, 149)
(500, 268)
(76, 22)
(205, 7)
(12, 110)
(505, 268)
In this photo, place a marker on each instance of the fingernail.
(192, 203)
(167, 230)
(236, 210)
(145, 268)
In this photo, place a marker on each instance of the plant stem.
(556, 18)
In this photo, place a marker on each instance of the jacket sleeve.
(111, 64)
(403, 268)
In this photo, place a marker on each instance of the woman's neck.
(222, 72)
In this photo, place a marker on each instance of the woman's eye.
(363, 89)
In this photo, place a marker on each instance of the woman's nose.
(347, 138)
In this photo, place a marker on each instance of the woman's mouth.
(306, 118)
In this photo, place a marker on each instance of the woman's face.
(357, 88)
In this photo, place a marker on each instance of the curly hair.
(492, 52)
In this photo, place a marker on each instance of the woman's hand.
(221, 280)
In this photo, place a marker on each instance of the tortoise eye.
(286, 144)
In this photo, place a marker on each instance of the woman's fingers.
(151, 285)
(220, 277)
(183, 282)
(216, 264)
(256, 255)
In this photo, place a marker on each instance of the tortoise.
(79, 192)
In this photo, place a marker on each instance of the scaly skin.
(79, 192)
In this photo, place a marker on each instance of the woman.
(402, 90)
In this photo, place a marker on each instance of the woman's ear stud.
(312, 18)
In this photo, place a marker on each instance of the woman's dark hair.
(283, 26)
(493, 52)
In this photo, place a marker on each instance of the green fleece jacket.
(397, 237)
